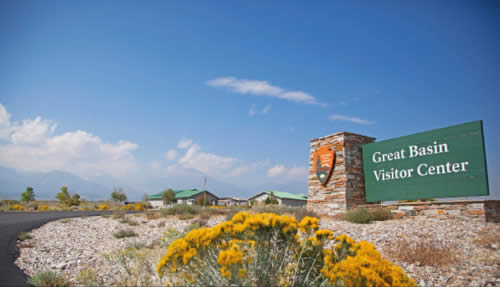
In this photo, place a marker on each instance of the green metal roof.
(183, 193)
(287, 195)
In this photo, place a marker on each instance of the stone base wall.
(345, 188)
(479, 210)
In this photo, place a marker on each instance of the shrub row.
(363, 215)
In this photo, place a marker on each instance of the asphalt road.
(13, 223)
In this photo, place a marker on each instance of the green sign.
(447, 162)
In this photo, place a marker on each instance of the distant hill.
(47, 185)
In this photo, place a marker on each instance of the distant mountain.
(47, 185)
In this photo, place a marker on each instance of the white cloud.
(276, 170)
(266, 109)
(252, 111)
(294, 173)
(155, 165)
(32, 131)
(171, 154)
(263, 88)
(5, 128)
(32, 145)
(208, 163)
(298, 172)
(184, 143)
(355, 120)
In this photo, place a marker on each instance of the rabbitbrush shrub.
(359, 215)
(49, 279)
(275, 250)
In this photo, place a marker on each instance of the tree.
(28, 195)
(65, 198)
(271, 199)
(168, 196)
(118, 196)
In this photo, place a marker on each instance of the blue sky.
(118, 84)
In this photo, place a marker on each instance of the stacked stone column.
(345, 188)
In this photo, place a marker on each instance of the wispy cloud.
(284, 173)
(255, 111)
(171, 154)
(252, 111)
(355, 120)
(184, 143)
(263, 88)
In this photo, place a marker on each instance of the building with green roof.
(185, 196)
(283, 198)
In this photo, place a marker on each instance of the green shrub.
(88, 278)
(180, 209)
(185, 216)
(381, 214)
(124, 233)
(118, 214)
(132, 222)
(359, 215)
(24, 236)
(49, 279)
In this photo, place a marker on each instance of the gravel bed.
(70, 246)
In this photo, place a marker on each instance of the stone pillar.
(345, 188)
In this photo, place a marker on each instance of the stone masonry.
(345, 188)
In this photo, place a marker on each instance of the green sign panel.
(447, 162)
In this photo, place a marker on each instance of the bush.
(277, 250)
(180, 209)
(150, 214)
(88, 278)
(129, 206)
(17, 207)
(359, 215)
(185, 216)
(139, 206)
(298, 212)
(427, 251)
(124, 233)
(24, 236)
(103, 206)
(118, 214)
(49, 279)
(43, 207)
(380, 214)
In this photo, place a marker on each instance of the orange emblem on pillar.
(323, 163)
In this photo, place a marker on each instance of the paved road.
(13, 223)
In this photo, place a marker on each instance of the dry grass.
(185, 216)
(427, 251)
(488, 237)
(150, 214)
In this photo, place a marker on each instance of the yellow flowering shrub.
(140, 206)
(129, 206)
(43, 207)
(103, 206)
(278, 250)
(17, 207)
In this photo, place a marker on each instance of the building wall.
(261, 198)
(293, 202)
(345, 188)
(156, 203)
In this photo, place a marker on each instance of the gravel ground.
(71, 246)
